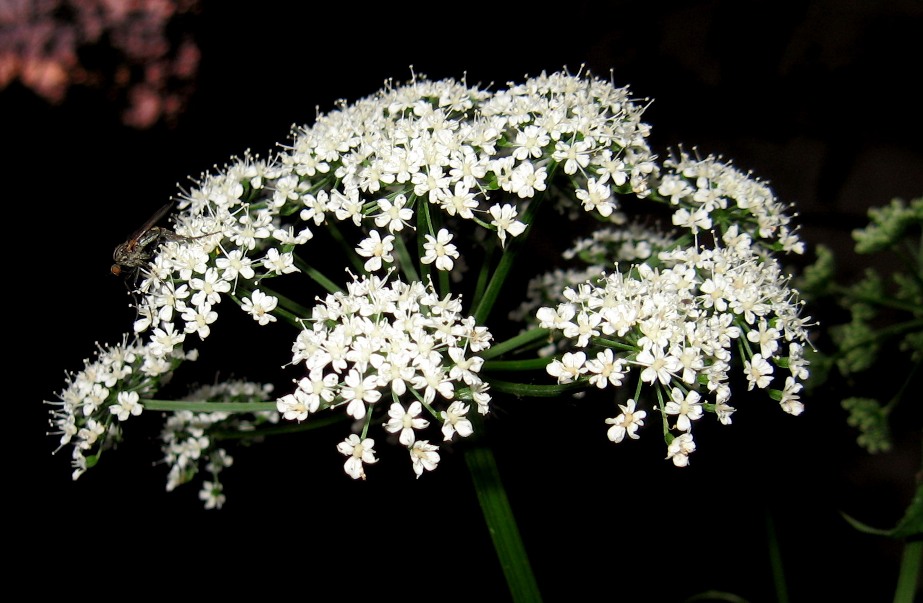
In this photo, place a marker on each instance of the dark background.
(817, 99)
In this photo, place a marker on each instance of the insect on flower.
(139, 247)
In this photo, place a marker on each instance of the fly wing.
(131, 253)
(154, 219)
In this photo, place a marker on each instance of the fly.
(139, 247)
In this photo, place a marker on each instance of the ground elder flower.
(433, 178)
(710, 191)
(375, 163)
(397, 341)
(626, 423)
(677, 329)
(126, 405)
(260, 306)
(454, 421)
(405, 421)
(425, 456)
(440, 250)
(378, 250)
(359, 453)
(680, 448)
(504, 219)
(186, 442)
(687, 407)
(211, 495)
(109, 387)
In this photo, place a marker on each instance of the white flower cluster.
(396, 346)
(711, 194)
(679, 325)
(416, 183)
(604, 247)
(424, 153)
(187, 442)
(106, 392)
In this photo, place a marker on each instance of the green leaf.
(910, 526)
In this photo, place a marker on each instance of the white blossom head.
(392, 355)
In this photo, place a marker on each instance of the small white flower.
(360, 453)
(505, 221)
(460, 202)
(405, 421)
(758, 372)
(626, 423)
(279, 263)
(163, 340)
(377, 250)
(597, 197)
(606, 369)
(526, 180)
(294, 406)
(694, 221)
(680, 449)
(454, 421)
(791, 402)
(766, 336)
(659, 366)
(424, 456)
(530, 142)
(211, 494)
(440, 249)
(357, 391)
(393, 214)
(568, 368)
(126, 405)
(687, 407)
(259, 305)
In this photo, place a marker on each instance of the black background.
(817, 99)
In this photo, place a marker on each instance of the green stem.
(404, 260)
(907, 580)
(316, 275)
(348, 250)
(516, 365)
(199, 406)
(895, 400)
(287, 305)
(888, 302)
(514, 342)
(525, 390)
(424, 227)
(486, 303)
(616, 345)
(775, 560)
(501, 523)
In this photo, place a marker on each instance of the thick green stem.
(775, 561)
(516, 365)
(501, 523)
(909, 577)
(200, 406)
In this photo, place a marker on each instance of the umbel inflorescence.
(430, 191)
